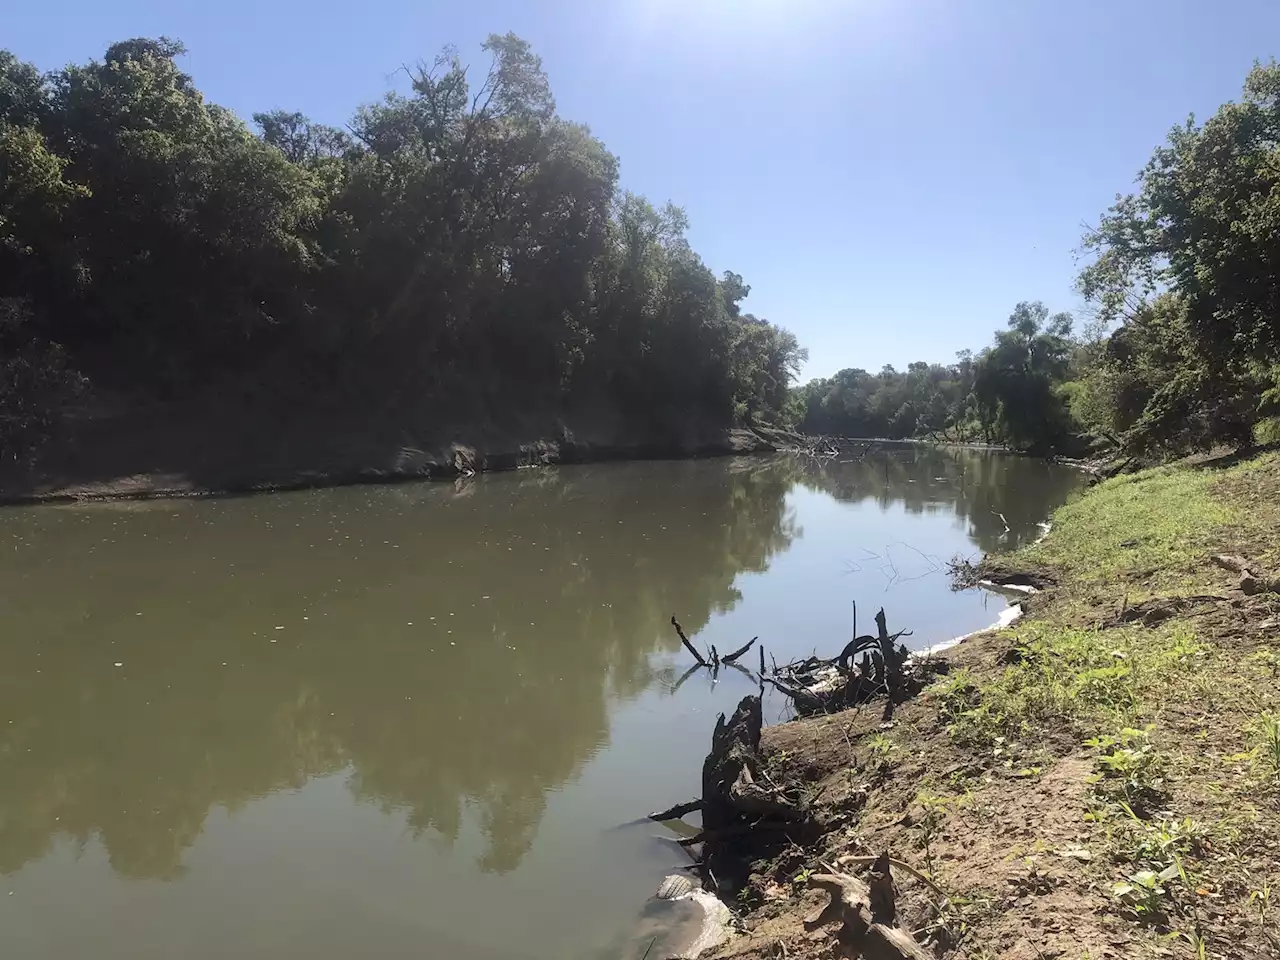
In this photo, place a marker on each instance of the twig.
(648, 948)
(677, 811)
(731, 657)
(687, 645)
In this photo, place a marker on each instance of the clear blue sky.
(890, 176)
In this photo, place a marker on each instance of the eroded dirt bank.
(1100, 780)
(168, 456)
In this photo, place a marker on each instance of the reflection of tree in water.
(557, 589)
(984, 488)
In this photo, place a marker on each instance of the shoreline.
(446, 462)
(1116, 732)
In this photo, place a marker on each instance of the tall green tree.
(1016, 380)
(1201, 225)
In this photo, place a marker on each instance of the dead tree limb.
(677, 811)
(732, 657)
(687, 645)
(867, 914)
(1252, 581)
(892, 665)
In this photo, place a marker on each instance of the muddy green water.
(405, 721)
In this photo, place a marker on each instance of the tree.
(1202, 225)
(1016, 379)
(463, 254)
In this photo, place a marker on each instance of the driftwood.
(867, 667)
(677, 811)
(1252, 579)
(1233, 563)
(739, 803)
(868, 915)
(687, 645)
(732, 657)
(841, 449)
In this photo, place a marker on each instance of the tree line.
(458, 248)
(1017, 392)
(1182, 278)
(460, 251)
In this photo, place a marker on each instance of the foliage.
(1016, 379)
(36, 384)
(1015, 392)
(1187, 265)
(461, 250)
(924, 399)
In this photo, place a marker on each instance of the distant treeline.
(459, 248)
(1182, 351)
(1014, 392)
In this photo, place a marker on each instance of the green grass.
(1079, 682)
(1159, 520)
(1182, 719)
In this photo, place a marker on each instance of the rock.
(674, 887)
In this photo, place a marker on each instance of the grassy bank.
(1102, 780)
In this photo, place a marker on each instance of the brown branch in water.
(677, 811)
(761, 660)
(687, 645)
(729, 833)
(731, 657)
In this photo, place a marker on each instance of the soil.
(1027, 874)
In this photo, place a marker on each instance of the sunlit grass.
(1181, 719)
(1159, 522)
(1081, 682)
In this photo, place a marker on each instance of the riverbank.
(1100, 780)
(137, 460)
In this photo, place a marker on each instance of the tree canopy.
(459, 247)
(460, 252)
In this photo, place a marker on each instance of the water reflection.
(1003, 498)
(458, 653)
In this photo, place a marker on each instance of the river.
(406, 721)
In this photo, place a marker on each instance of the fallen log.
(867, 913)
(1233, 563)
